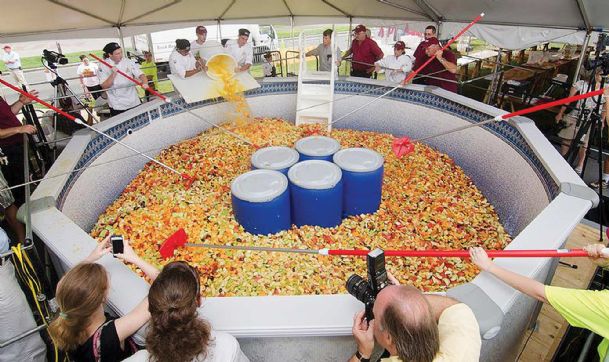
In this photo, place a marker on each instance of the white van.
(263, 37)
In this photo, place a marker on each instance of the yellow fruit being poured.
(222, 67)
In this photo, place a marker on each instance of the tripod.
(591, 120)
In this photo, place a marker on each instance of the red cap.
(6, 46)
(359, 28)
(201, 29)
(399, 45)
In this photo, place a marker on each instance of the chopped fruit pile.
(428, 203)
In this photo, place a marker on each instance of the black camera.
(366, 291)
(602, 58)
(53, 57)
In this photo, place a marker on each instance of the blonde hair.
(80, 292)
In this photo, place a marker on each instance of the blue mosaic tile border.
(501, 129)
(97, 145)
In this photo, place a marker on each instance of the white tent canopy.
(535, 21)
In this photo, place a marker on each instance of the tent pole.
(219, 31)
(582, 55)
(292, 31)
(150, 44)
(120, 38)
(349, 41)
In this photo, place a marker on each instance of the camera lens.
(358, 287)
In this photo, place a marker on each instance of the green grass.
(35, 62)
(284, 32)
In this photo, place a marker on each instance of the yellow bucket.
(221, 67)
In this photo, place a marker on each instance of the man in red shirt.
(444, 65)
(11, 143)
(365, 53)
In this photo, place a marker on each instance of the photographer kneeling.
(417, 327)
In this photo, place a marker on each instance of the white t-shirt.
(122, 94)
(11, 56)
(89, 74)
(243, 55)
(207, 49)
(180, 64)
(222, 348)
(401, 64)
(582, 87)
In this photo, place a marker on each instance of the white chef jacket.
(243, 55)
(122, 94)
(180, 64)
(207, 49)
(401, 64)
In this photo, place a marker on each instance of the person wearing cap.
(395, 66)
(89, 79)
(268, 68)
(365, 53)
(148, 67)
(324, 52)
(122, 94)
(181, 61)
(419, 53)
(241, 50)
(202, 48)
(13, 62)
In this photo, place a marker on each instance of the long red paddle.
(72, 118)
(556, 253)
(403, 146)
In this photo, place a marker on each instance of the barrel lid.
(317, 146)
(275, 157)
(315, 174)
(358, 159)
(259, 185)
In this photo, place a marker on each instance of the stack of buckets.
(314, 184)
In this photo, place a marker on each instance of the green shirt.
(584, 309)
(149, 68)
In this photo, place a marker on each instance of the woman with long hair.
(82, 329)
(176, 333)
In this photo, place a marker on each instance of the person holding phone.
(82, 329)
(581, 308)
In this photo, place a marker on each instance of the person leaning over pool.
(82, 329)
(581, 308)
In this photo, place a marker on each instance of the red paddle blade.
(188, 180)
(402, 146)
(179, 238)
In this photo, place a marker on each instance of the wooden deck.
(551, 325)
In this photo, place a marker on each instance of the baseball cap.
(244, 32)
(201, 29)
(359, 28)
(111, 47)
(182, 44)
(399, 45)
(6, 46)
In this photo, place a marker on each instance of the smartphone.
(117, 244)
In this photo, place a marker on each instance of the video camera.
(602, 59)
(53, 57)
(366, 291)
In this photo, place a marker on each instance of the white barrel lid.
(275, 157)
(358, 159)
(315, 174)
(317, 146)
(259, 185)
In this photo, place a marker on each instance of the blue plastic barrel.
(362, 180)
(317, 148)
(261, 201)
(278, 158)
(316, 190)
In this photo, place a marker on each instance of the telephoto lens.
(359, 288)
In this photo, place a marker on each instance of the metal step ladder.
(315, 96)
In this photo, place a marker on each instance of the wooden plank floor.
(550, 325)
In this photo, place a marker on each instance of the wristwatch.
(359, 356)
